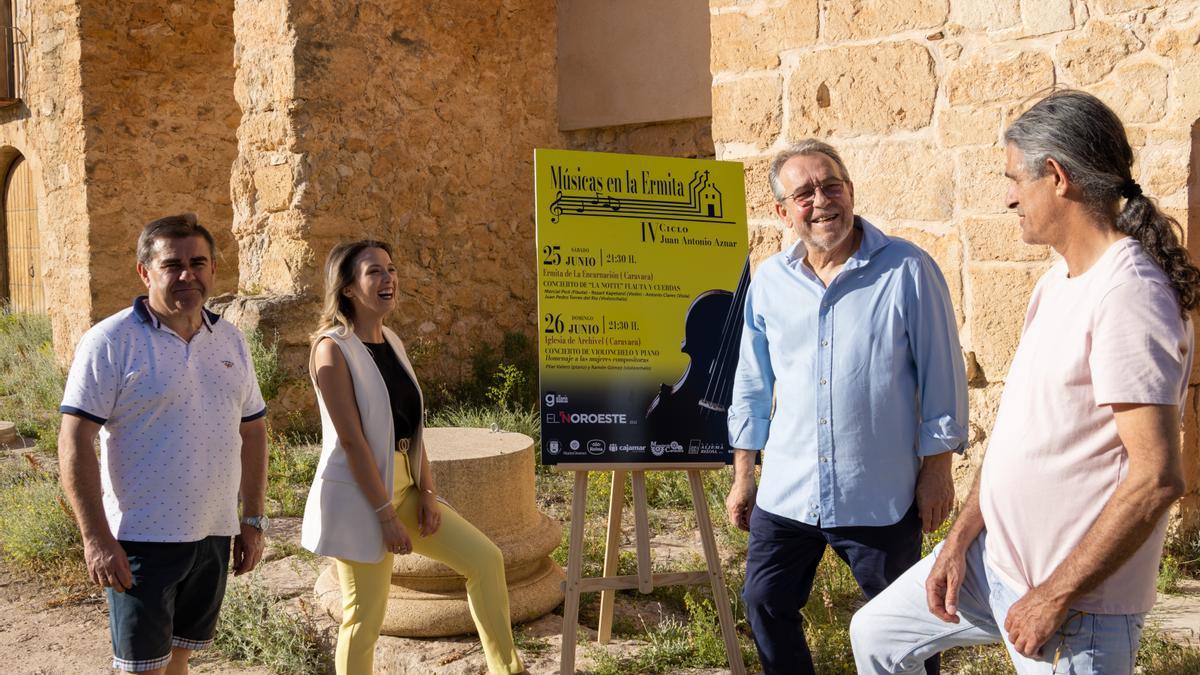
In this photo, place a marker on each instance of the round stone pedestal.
(488, 478)
(8, 435)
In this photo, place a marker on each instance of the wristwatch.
(259, 523)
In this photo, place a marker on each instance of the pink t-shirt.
(1113, 334)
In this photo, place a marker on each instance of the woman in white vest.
(373, 496)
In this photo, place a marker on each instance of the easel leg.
(720, 597)
(612, 550)
(641, 523)
(574, 572)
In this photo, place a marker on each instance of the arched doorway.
(23, 268)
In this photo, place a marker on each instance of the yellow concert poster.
(642, 275)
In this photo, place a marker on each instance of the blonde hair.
(337, 311)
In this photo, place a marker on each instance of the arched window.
(22, 273)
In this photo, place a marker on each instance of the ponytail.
(1159, 235)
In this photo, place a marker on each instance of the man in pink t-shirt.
(1056, 549)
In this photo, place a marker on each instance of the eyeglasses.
(804, 195)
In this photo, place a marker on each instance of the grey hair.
(1085, 137)
(808, 146)
(1088, 140)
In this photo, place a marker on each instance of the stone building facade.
(287, 126)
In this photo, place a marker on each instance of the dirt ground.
(40, 634)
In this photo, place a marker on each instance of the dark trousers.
(782, 560)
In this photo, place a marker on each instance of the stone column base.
(488, 478)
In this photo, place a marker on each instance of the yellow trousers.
(459, 545)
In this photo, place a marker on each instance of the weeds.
(505, 419)
(1169, 574)
(290, 472)
(265, 357)
(673, 644)
(530, 645)
(31, 382)
(38, 532)
(1161, 656)
(254, 627)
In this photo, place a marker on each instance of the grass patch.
(254, 628)
(265, 356)
(1169, 574)
(673, 644)
(31, 382)
(530, 645)
(290, 471)
(37, 531)
(519, 420)
(1161, 656)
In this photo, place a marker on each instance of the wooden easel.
(644, 580)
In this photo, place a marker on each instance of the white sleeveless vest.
(338, 520)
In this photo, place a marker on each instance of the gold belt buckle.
(402, 445)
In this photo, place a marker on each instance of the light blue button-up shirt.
(866, 376)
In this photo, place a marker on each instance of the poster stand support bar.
(645, 581)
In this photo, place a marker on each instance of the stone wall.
(46, 127)
(437, 161)
(917, 94)
(159, 120)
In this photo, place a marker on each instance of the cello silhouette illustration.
(695, 406)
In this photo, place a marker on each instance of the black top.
(406, 401)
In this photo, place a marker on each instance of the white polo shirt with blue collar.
(170, 412)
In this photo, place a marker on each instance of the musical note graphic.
(704, 204)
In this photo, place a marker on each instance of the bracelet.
(384, 506)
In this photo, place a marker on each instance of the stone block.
(969, 126)
(908, 180)
(1178, 43)
(764, 243)
(984, 403)
(988, 77)
(1040, 17)
(986, 15)
(748, 110)
(873, 89)
(1000, 295)
(760, 202)
(749, 41)
(1137, 92)
(274, 187)
(864, 19)
(946, 250)
(980, 180)
(1164, 169)
(1119, 6)
(998, 238)
(1090, 54)
(1182, 47)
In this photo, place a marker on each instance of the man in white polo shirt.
(170, 390)
(1056, 550)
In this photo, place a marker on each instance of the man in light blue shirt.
(851, 380)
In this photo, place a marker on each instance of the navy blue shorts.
(174, 602)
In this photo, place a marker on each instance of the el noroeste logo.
(565, 417)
